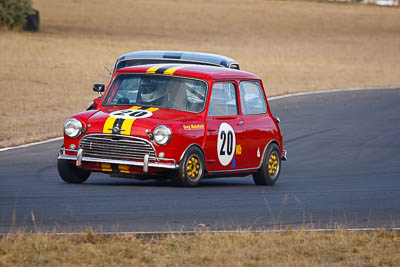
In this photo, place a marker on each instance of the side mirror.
(98, 87)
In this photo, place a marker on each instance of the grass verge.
(288, 248)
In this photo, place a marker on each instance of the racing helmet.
(150, 91)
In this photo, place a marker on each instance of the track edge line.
(31, 144)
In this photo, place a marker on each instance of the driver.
(151, 93)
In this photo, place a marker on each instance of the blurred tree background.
(14, 13)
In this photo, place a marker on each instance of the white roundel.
(226, 144)
(131, 114)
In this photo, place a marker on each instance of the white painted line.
(269, 99)
(31, 144)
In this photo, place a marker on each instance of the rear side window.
(223, 100)
(252, 98)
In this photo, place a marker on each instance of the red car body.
(225, 145)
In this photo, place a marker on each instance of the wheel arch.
(190, 146)
(273, 141)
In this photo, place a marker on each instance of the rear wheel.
(270, 168)
(70, 173)
(191, 168)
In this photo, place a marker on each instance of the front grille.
(118, 147)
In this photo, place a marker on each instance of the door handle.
(241, 123)
(211, 130)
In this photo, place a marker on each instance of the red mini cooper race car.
(177, 121)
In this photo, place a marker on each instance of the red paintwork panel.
(251, 138)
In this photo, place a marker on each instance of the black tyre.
(191, 168)
(270, 168)
(70, 173)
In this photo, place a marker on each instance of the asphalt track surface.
(343, 171)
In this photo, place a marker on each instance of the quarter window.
(252, 99)
(223, 100)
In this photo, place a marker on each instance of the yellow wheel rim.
(193, 167)
(273, 164)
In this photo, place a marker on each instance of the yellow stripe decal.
(106, 167)
(135, 107)
(123, 168)
(171, 71)
(127, 124)
(154, 69)
(108, 125)
(152, 109)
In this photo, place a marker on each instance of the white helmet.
(150, 91)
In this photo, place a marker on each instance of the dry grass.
(291, 45)
(339, 248)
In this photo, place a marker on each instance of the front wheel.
(270, 168)
(191, 168)
(70, 173)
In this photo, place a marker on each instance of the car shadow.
(206, 183)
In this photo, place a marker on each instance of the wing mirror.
(99, 88)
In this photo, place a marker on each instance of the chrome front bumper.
(145, 163)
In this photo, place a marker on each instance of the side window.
(223, 100)
(252, 98)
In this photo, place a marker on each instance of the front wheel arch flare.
(201, 150)
(191, 168)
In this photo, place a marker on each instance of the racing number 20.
(131, 114)
(227, 143)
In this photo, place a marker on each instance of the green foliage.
(13, 13)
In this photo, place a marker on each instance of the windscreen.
(168, 92)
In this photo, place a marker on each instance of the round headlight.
(72, 128)
(162, 135)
